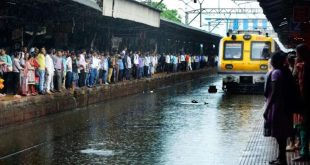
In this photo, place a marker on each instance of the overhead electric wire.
(187, 4)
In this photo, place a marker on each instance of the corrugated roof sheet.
(89, 3)
(189, 27)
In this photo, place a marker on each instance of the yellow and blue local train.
(243, 61)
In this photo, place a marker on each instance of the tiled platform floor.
(260, 150)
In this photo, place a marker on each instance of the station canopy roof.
(37, 11)
(164, 23)
(289, 18)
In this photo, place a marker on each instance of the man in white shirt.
(124, 52)
(183, 62)
(153, 64)
(49, 82)
(104, 66)
(58, 66)
(69, 74)
(94, 67)
(82, 68)
(128, 66)
(136, 64)
(146, 65)
(167, 64)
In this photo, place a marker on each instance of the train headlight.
(247, 37)
(233, 37)
(263, 67)
(229, 66)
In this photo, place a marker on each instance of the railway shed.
(76, 24)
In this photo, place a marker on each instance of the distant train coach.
(243, 61)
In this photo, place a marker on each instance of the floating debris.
(194, 101)
(212, 89)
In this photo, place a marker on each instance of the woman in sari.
(31, 64)
(278, 107)
(24, 76)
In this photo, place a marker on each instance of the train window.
(233, 50)
(260, 50)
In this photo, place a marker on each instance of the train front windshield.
(233, 50)
(260, 50)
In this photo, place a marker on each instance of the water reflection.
(148, 128)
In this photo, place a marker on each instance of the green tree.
(169, 14)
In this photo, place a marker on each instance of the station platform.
(260, 150)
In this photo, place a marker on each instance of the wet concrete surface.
(159, 127)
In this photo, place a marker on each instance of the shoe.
(301, 158)
(273, 161)
(277, 162)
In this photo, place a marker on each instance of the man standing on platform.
(82, 68)
(136, 64)
(183, 62)
(128, 66)
(42, 68)
(58, 70)
(94, 67)
(49, 82)
(167, 64)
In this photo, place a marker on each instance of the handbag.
(267, 129)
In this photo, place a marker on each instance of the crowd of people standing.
(287, 107)
(38, 71)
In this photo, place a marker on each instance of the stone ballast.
(32, 107)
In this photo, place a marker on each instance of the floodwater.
(158, 127)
